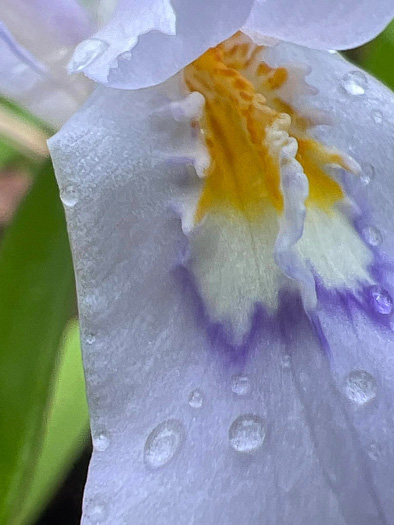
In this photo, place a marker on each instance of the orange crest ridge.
(245, 123)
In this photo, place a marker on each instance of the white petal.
(321, 24)
(147, 42)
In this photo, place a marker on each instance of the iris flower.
(228, 190)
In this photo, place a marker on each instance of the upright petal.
(147, 42)
(36, 40)
(190, 429)
(33, 84)
(320, 24)
(42, 26)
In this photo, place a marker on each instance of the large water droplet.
(85, 53)
(240, 385)
(360, 387)
(101, 442)
(372, 235)
(163, 443)
(247, 433)
(382, 301)
(68, 196)
(367, 174)
(354, 83)
(196, 398)
(377, 116)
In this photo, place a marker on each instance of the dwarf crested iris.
(229, 196)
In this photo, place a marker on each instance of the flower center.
(245, 125)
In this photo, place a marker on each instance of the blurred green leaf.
(36, 291)
(67, 428)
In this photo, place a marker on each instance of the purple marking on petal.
(219, 336)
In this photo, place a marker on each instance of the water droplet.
(163, 443)
(367, 175)
(372, 236)
(360, 387)
(382, 301)
(85, 53)
(286, 362)
(196, 399)
(98, 514)
(101, 442)
(68, 196)
(374, 451)
(377, 116)
(240, 385)
(247, 433)
(90, 339)
(354, 83)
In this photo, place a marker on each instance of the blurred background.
(45, 442)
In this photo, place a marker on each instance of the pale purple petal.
(361, 338)
(147, 42)
(316, 454)
(37, 38)
(42, 26)
(321, 24)
(34, 85)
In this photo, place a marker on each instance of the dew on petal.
(68, 196)
(354, 83)
(286, 362)
(382, 301)
(247, 433)
(90, 338)
(163, 443)
(377, 116)
(360, 387)
(367, 175)
(86, 52)
(97, 513)
(374, 451)
(240, 385)
(372, 236)
(101, 442)
(196, 398)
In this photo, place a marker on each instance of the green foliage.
(66, 428)
(36, 292)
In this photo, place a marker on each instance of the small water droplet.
(367, 175)
(196, 399)
(98, 514)
(286, 362)
(163, 443)
(247, 433)
(372, 236)
(377, 116)
(240, 385)
(354, 83)
(90, 339)
(374, 451)
(101, 442)
(85, 53)
(68, 196)
(360, 387)
(382, 301)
